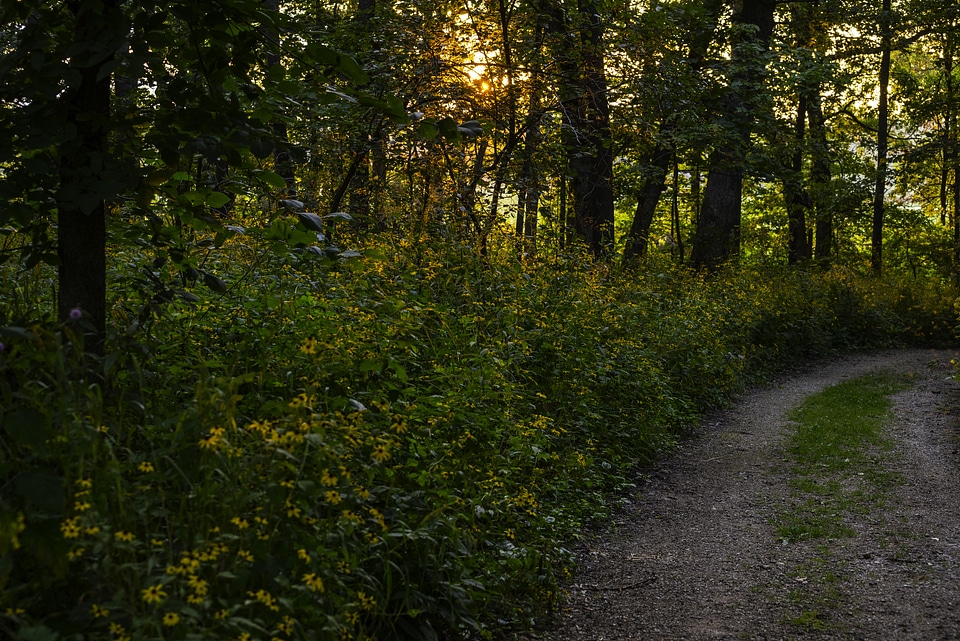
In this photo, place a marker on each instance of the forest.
(331, 320)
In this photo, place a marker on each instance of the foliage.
(400, 446)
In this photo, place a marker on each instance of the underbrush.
(392, 447)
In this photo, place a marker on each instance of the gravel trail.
(696, 555)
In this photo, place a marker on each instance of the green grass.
(839, 453)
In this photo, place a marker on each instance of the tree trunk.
(796, 200)
(585, 118)
(81, 206)
(718, 231)
(876, 244)
(820, 178)
(653, 186)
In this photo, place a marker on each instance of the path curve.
(694, 554)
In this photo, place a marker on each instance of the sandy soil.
(696, 554)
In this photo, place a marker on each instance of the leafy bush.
(398, 447)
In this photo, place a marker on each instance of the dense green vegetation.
(399, 446)
(339, 320)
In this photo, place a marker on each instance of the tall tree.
(652, 186)
(85, 165)
(880, 189)
(718, 228)
(578, 48)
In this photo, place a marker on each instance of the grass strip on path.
(839, 454)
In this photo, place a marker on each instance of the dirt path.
(696, 555)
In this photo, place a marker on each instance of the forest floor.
(699, 552)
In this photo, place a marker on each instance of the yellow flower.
(153, 594)
(124, 536)
(303, 554)
(146, 467)
(70, 529)
(171, 619)
(333, 497)
(314, 582)
(380, 452)
(309, 346)
(265, 598)
(241, 524)
(245, 555)
(194, 599)
(87, 483)
(93, 529)
(81, 507)
(98, 611)
(199, 585)
(366, 602)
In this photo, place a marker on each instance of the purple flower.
(2, 347)
(75, 313)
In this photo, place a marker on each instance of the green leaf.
(349, 67)
(213, 282)
(449, 129)
(311, 221)
(158, 177)
(261, 147)
(272, 179)
(276, 73)
(16, 332)
(428, 128)
(216, 199)
(42, 489)
(37, 633)
(28, 427)
(321, 55)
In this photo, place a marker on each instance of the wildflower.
(304, 555)
(194, 599)
(380, 452)
(81, 507)
(222, 614)
(76, 313)
(171, 619)
(2, 347)
(153, 594)
(98, 611)
(124, 536)
(292, 510)
(265, 598)
(93, 529)
(309, 346)
(245, 555)
(366, 602)
(313, 582)
(333, 497)
(241, 524)
(74, 554)
(327, 479)
(363, 493)
(116, 628)
(199, 585)
(146, 467)
(70, 529)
